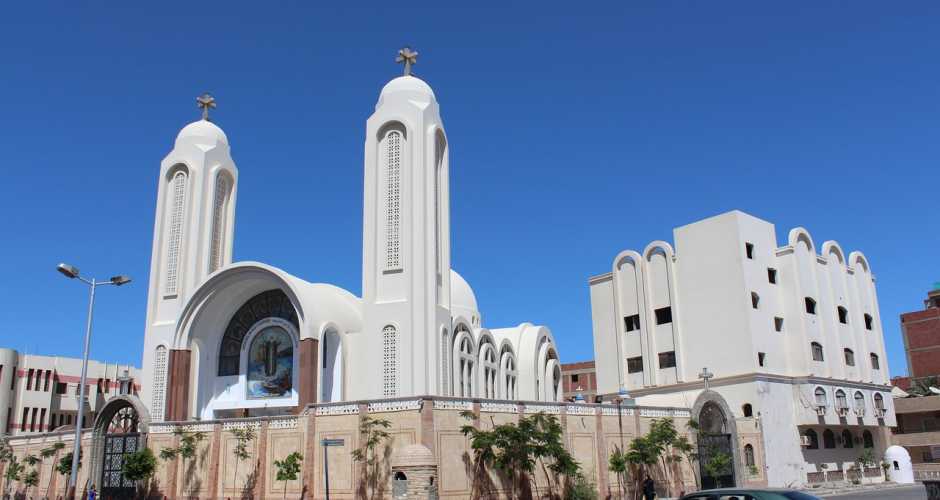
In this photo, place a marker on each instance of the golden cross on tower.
(205, 101)
(409, 57)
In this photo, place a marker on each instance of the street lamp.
(72, 272)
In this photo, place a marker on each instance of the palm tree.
(45, 453)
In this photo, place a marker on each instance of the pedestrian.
(649, 488)
(92, 494)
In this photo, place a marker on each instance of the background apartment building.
(40, 393)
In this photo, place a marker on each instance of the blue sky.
(576, 131)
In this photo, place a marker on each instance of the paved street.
(915, 492)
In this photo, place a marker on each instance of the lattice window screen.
(389, 361)
(218, 222)
(176, 231)
(445, 364)
(159, 384)
(393, 200)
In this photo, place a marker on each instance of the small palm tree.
(51, 452)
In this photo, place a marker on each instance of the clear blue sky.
(577, 130)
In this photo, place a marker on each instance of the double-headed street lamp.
(72, 272)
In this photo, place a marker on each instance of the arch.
(389, 361)
(332, 365)
(489, 369)
(810, 305)
(177, 182)
(220, 209)
(879, 401)
(817, 351)
(859, 262)
(800, 235)
(847, 439)
(829, 439)
(749, 456)
(859, 403)
(715, 403)
(113, 408)
(507, 372)
(868, 441)
(832, 248)
(465, 353)
(268, 304)
(813, 439)
(820, 397)
(658, 246)
(869, 321)
(747, 410)
(841, 400)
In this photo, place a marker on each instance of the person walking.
(649, 488)
(92, 494)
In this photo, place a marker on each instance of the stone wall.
(592, 432)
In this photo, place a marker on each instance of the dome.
(413, 455)
(462, 298)
(408, 85)
(202, 132)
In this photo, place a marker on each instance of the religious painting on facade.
(270, 364)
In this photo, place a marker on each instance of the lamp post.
(72, 272)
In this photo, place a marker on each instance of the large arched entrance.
(715, 449)
(120, 430)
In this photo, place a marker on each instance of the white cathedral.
(228, 339)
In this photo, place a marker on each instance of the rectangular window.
(574, 378)
(760, 358)
(42, 419)
(9, 420)
(23, 420)
(667, 359)
(29, 380)
(635, 365)
(32, 420)
(778, 324)
(868, 321)
(772, 275)
(875, 364)
(61, 388)
(632, 323)
(13, 379)
(849, 357)
(45, 387)
(749, 250)
(664, 315)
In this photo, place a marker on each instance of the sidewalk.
(841, 489)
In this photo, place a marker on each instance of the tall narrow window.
(159, 383)
(810, 305)
(847, 439)
(389, 361)
(175, 234)
(813, 439)
(749, 455)
(445, 364)
(820, 394)
(778, 324)
(849, 357)
(218, 222)
(817, 351)
(771, 276)
(829, 439)
(875, 365)
(755, 300)
(761, 356)
(869, 321)
(440, 148)
(29, 379)
(393, 146)
(843, 315)
(867, 439)
(749, 250)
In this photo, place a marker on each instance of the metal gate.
(710, 449)
(113, 483)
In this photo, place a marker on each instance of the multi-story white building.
(789, 338)
(40, 393)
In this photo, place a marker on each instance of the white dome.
(462, 298)
(409, 86)
(202, 132)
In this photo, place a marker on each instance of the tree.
(243, 437)
(32, 477)
(865, 459)
(6, 456)
(289, 468)
(64, 466)
(373, 429)
(643, 455)
(188, 444)
(718, 464)
(686, 449)
(663, 435)
(13, 473)
(617, 463)
(51, 452)
(140, 466)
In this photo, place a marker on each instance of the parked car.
(749, 494)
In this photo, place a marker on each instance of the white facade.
(791, 334)
(40, 393)
(415, 331)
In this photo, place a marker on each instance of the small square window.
(772, 275)
(778, 324)
(760, 358)
(632, 323)
(635, 365)
(667, 359)
(749, 250)
(663, 315)
(61, 388)
(574, 378)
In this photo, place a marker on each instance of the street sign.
(332, 442)
(326, 443)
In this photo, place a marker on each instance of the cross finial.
(409, 57)
(205, 101)
(706, 375)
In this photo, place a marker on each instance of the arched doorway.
(120, 430)
(716, 454)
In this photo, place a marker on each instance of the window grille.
(389, 361)
(218, 222)
(393, 200)
(175, 235)
(159, 383)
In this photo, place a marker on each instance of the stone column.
(177, 392)
(603, 484)
(428, 429)
(215, 449)
(262, 460)
(307, 392)
(310, 457)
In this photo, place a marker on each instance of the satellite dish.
(934, 390)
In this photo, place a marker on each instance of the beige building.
(40, 393)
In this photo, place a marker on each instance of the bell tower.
(406, 239)
(192, 238)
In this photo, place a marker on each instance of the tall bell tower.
(406, 240)
(192, 238)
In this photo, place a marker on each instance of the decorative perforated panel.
(159, 383)
(393, 200)
(218, 222)
(175, 234)
(389, 361)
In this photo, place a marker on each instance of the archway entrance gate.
(121, 439)
(716, 455)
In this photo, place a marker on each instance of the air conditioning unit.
(860, 412)
(804, 440)
(842, 411)
(879, 412)
(821, 410)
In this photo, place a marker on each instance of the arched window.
(269, 304)
(879, 402)
(331, 376)
(817, 351)
(869, 321)
(849, 357)
(747, 410)
(219, 206)
(446, 389)
(508, 366)
(159, 383)
(859, 403)
(867, 439)
(841, 401)
(813, 440)
(749, 456)
(821, 397)
(755, 300)
(810, 305)
(489, 365)
(829, 439)
(843, 315)
(847, 439)
(440, 155)
(464, 364)
(175, 230)
(389, 361)
(393, 144)
(875, 365)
